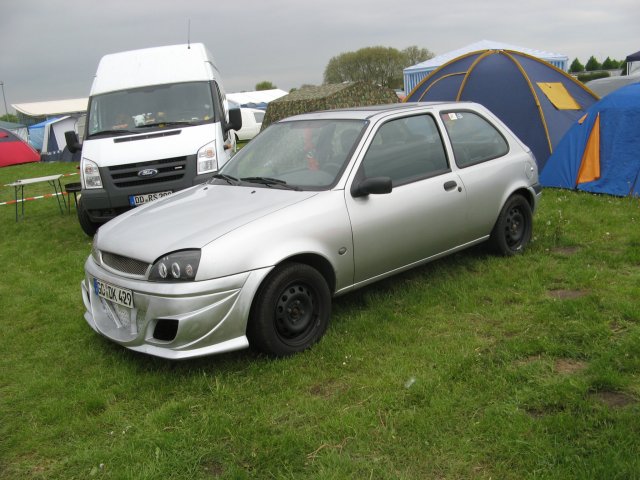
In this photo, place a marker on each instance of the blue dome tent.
(536, 100)
(601, 151)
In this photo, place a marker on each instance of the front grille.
(126, 265)
(169, 169)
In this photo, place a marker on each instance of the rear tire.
(513, 229)
(290, 312)
(88, 226)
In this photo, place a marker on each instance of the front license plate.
(112, 293)
(135, 200)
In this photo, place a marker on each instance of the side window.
(220, 112)
(474, 139)
(405, 150)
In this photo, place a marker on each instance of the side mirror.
(73, 144)
(372, 186)
(235, 119)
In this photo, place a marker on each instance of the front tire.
(89, 227)
(291, 310)
(513, 229)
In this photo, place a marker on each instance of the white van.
(251, 123)
(157, 121)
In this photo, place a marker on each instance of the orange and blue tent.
(601, 152)
(536, 100)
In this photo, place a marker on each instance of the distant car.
(251, 123)
(316, 206)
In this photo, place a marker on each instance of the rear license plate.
(135, 200)
(112, 293)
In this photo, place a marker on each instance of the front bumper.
(174, 320)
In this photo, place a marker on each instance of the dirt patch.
(614, 399)
(213, 468)
(567, 294)
(567, 251)
(568, 365)
(327, 389)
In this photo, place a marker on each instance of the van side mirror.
(235, 119)
(73, 144)
(372, 186)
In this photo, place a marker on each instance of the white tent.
(256, 99)
(604, 86)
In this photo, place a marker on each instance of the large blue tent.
(536, 100)
(601, 152)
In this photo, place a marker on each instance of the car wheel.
(512, 231)
(88, 227)
(291, 310)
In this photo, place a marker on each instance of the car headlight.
(206, 158)
(91, 174)
(179, 266)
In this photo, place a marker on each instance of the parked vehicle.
(158, 121)
(316, 206)
(251, 123)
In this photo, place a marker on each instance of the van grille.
(169, 169)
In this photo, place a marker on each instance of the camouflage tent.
(327, 97)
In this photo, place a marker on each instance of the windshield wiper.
(228, 178)
(268, 181)
(158, 124)
(109, 132)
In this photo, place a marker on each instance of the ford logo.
(148, 172)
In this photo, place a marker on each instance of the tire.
(290, 312)
(89, 227)
(513, 229)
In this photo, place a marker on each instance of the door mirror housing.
(235, 119)
(73, 144)
(372, 186)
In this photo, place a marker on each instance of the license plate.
(135, 200)
(112, 293)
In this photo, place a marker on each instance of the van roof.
(154, 66)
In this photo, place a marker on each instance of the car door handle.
(450, 185)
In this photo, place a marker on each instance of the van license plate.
(135, 200)
(112, 293)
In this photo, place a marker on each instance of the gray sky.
(50, 49)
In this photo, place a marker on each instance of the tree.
(576, 66)
(379, 65)
(609, 64)
(592, 64)
(9, 117)
(266, 85)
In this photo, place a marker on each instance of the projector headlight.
(179, 266)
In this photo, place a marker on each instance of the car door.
(424, 214)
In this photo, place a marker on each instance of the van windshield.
(156, 106)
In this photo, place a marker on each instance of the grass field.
(474, 366)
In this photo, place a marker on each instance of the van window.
(156, 106)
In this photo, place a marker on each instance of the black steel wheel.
(291, 310)
(513, 229)
(89, 227)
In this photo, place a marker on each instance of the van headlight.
(180, 266)
(91, 174)
(206, 158)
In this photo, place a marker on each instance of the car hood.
(191, 219)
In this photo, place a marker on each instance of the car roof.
(367, 112)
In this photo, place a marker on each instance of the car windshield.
(140, 109)
(306, 154)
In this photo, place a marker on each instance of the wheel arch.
(320, 263)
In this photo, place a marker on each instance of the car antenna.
(188, 34)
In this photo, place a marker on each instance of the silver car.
(315, 206)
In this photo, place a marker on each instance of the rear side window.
(473, 138)
(405, 150)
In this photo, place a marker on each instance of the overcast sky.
(50, 49)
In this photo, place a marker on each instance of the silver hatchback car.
(315, 206)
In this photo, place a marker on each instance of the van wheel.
(513, 229)
(290, 312)
(89, 227)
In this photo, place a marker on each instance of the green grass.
(474, 366)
